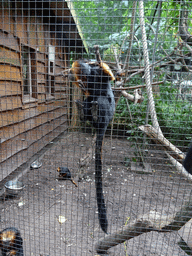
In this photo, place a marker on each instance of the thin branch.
(97, 54)
(127, 59)
(135, 87)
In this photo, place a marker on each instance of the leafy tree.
(107, 23)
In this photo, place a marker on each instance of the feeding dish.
(13, 187)
(36, 164)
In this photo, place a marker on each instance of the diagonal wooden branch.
(136, 98)
(159, 138)
(152, 221)
(179, 167)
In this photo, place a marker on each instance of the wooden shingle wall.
(28, 122)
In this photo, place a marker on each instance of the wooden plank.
(9, 57)
(9, 73)
(10, 147)
(61, 86)
(60, 95)
(41, 98)
(29, 102)
(41, 78)
(24, 140)
(18, 115)
(21, 157)
(9, 103)
(32, 37)
(40, 67)
(61, 90)
(6, 20)
(61, 79)
(21, 26)
(59, 63)
(9, 41)
(8, 88)
(41, 88)
(39, 144)
(40, 35)
(41, 57)
(11, 131)
(39, 132)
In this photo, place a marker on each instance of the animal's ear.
(58, 169)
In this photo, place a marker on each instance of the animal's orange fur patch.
(76, 70)
(107, 70)
(8, 236)
(13, 252)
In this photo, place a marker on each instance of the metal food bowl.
(13, 187)
(36, 164)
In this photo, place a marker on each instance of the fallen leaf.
(21, 203)
(62, 219)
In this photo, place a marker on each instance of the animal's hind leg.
(80, 110)
(94, 110)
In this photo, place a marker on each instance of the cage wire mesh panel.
(49, 148)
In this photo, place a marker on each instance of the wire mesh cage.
(95, 127)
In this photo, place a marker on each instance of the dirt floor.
(56, 218)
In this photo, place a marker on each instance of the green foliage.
(107, 23)
(174, 114)
(99, 19)
(132, 119)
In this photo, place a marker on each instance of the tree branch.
(152, 221)
(158, 138)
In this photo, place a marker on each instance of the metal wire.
(47, 158)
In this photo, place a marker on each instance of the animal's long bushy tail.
(102, 212)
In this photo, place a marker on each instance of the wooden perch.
(136, 98)
(179, 167)
(158, 138)
(153, 221)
